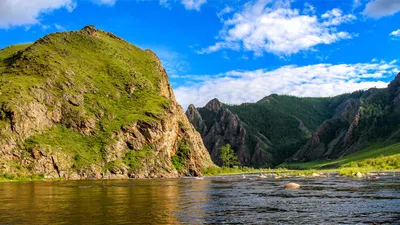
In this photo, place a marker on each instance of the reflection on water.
(214, 200)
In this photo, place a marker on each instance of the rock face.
(263, 133)
(361, 119)
(89, 105)
(286, 128)
(219, 126)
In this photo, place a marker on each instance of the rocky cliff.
(219, 126)
(263, 134)
(361, 119)
(89, 105)
(286, 128)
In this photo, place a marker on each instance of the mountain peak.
(89, 27)
(268, 98)
(191, 107)
(78, 83)
(394, 88)
(213, 105)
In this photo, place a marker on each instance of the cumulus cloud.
(224, 11)
(395, 34)
(308, 8)
(335, 17)
(193, 4)
(105, 2)
(27, 12)
(261, 27)
(319, 80)
(59, 27)
(380, 8)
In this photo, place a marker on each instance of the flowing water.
(213, 200)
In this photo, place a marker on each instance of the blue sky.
(236, 50)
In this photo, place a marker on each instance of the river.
(213, 200)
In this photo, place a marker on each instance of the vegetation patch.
(135, 159)
(278, 117)
(84, 150)
(372, 152)
(180, 158)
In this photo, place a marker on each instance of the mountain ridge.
(88, 105)
(305, 128)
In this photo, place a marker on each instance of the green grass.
(15, 178)
(277, 118)
(83, 150)
(117, 81)
(380, 163)
(214, 171)
(7, 53)
(180, 158)
(136, 158)
(114, 77)
(372, 151)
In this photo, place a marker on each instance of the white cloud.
(224, 11)
(59, 27)
(188, 4)
(262, 27)
(105, 2)
(193, 4)
(356, 4)
(395, 34)
(235, 87)
(380, 8)
(165, 3)
(28, 12)
(308, 8)
(335, 17)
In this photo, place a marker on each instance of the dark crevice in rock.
(55, 166)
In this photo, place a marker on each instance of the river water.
(213, 200)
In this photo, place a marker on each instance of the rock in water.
(291, 185)
(358, 174)
(89, 105)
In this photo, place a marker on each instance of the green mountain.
(89, 105)
(281, 128)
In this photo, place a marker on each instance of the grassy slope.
(101, 69)
(7, 52)
(372, 159)
(373, 151)
(276, 117)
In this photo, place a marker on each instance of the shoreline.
(269, 173)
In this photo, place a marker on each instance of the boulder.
(291, 185)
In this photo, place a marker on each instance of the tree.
(228, 156)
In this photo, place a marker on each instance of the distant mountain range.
(281, 128)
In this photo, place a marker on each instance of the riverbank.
(379, 160)
(343, 167)
(283, 172)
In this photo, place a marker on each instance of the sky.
(236, 50)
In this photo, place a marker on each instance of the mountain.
(89, 105)
(363, 118)
(219, 126)
(281, 128)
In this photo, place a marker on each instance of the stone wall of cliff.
(220, 127)
(89, 105)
